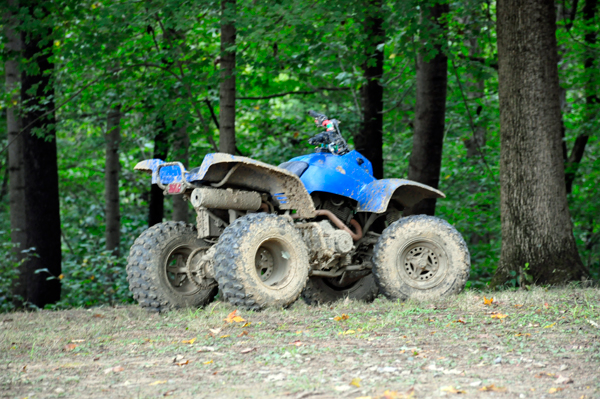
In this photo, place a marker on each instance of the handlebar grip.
(316, 114)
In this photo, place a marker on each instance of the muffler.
(215, 198)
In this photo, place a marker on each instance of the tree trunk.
(537, 233)
(16, 186)
(157, 199)
(430, 114)
(111, 185)
(592, 100)
(40, 171)
(227, 86)
(4, 185)
(369, 140)
(181, 144)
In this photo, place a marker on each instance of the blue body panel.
(336, 174)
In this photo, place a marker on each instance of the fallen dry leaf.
(208, 362)
(70, 347)
(554, 390)
(189, 341)
(214, 331)
(158, 382)
(225, 336)
(355, 382)
(493, 388)
(78, 341)
(451, 389)
(98, 315)
(563, 380)
(297, 343)
(169, 393)
(410, 394)
(247, 350)
(523, 335)
(550, 325)
(246, 324)
(391, 395)
(24, 369)
(347, 332)
(487, 301)
(183, 363)
(206, 349)
(540, 375)
(518, 306)
(243, 333)
(233, 318)
(344, 316)
(116, 369)
(499, 316)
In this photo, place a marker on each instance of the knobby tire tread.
(141, 273)
(227, 253)
(407, 223)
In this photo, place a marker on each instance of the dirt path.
(525, 344)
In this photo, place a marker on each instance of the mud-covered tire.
(325, 290)
(261, 261)
(421, 257)
(153, 257)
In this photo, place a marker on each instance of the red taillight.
(175, 188)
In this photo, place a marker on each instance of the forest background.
(141, 79)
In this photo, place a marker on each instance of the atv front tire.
(327, 289)
(261, 261)
(156, 268)
(421, 257)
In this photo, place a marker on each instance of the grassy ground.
(541, 343)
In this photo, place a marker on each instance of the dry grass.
(425, 349)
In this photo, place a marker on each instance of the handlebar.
(332, 138)
(316, 114)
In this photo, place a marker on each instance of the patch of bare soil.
(521, 345)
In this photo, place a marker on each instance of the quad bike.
(319, 225)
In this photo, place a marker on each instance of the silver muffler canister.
(215, 198)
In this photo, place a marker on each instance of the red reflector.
(175, 188)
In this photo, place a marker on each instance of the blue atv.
(319, 225)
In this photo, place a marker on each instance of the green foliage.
(159, 61)
(9, 273)
(99, 279)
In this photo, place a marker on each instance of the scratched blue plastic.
(336, 174)
(345, 175)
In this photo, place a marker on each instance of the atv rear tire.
(421, 257)
(260, 261)
(156, 268)
(326, 290)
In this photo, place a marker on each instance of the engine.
(328, 247)
(338, 205)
